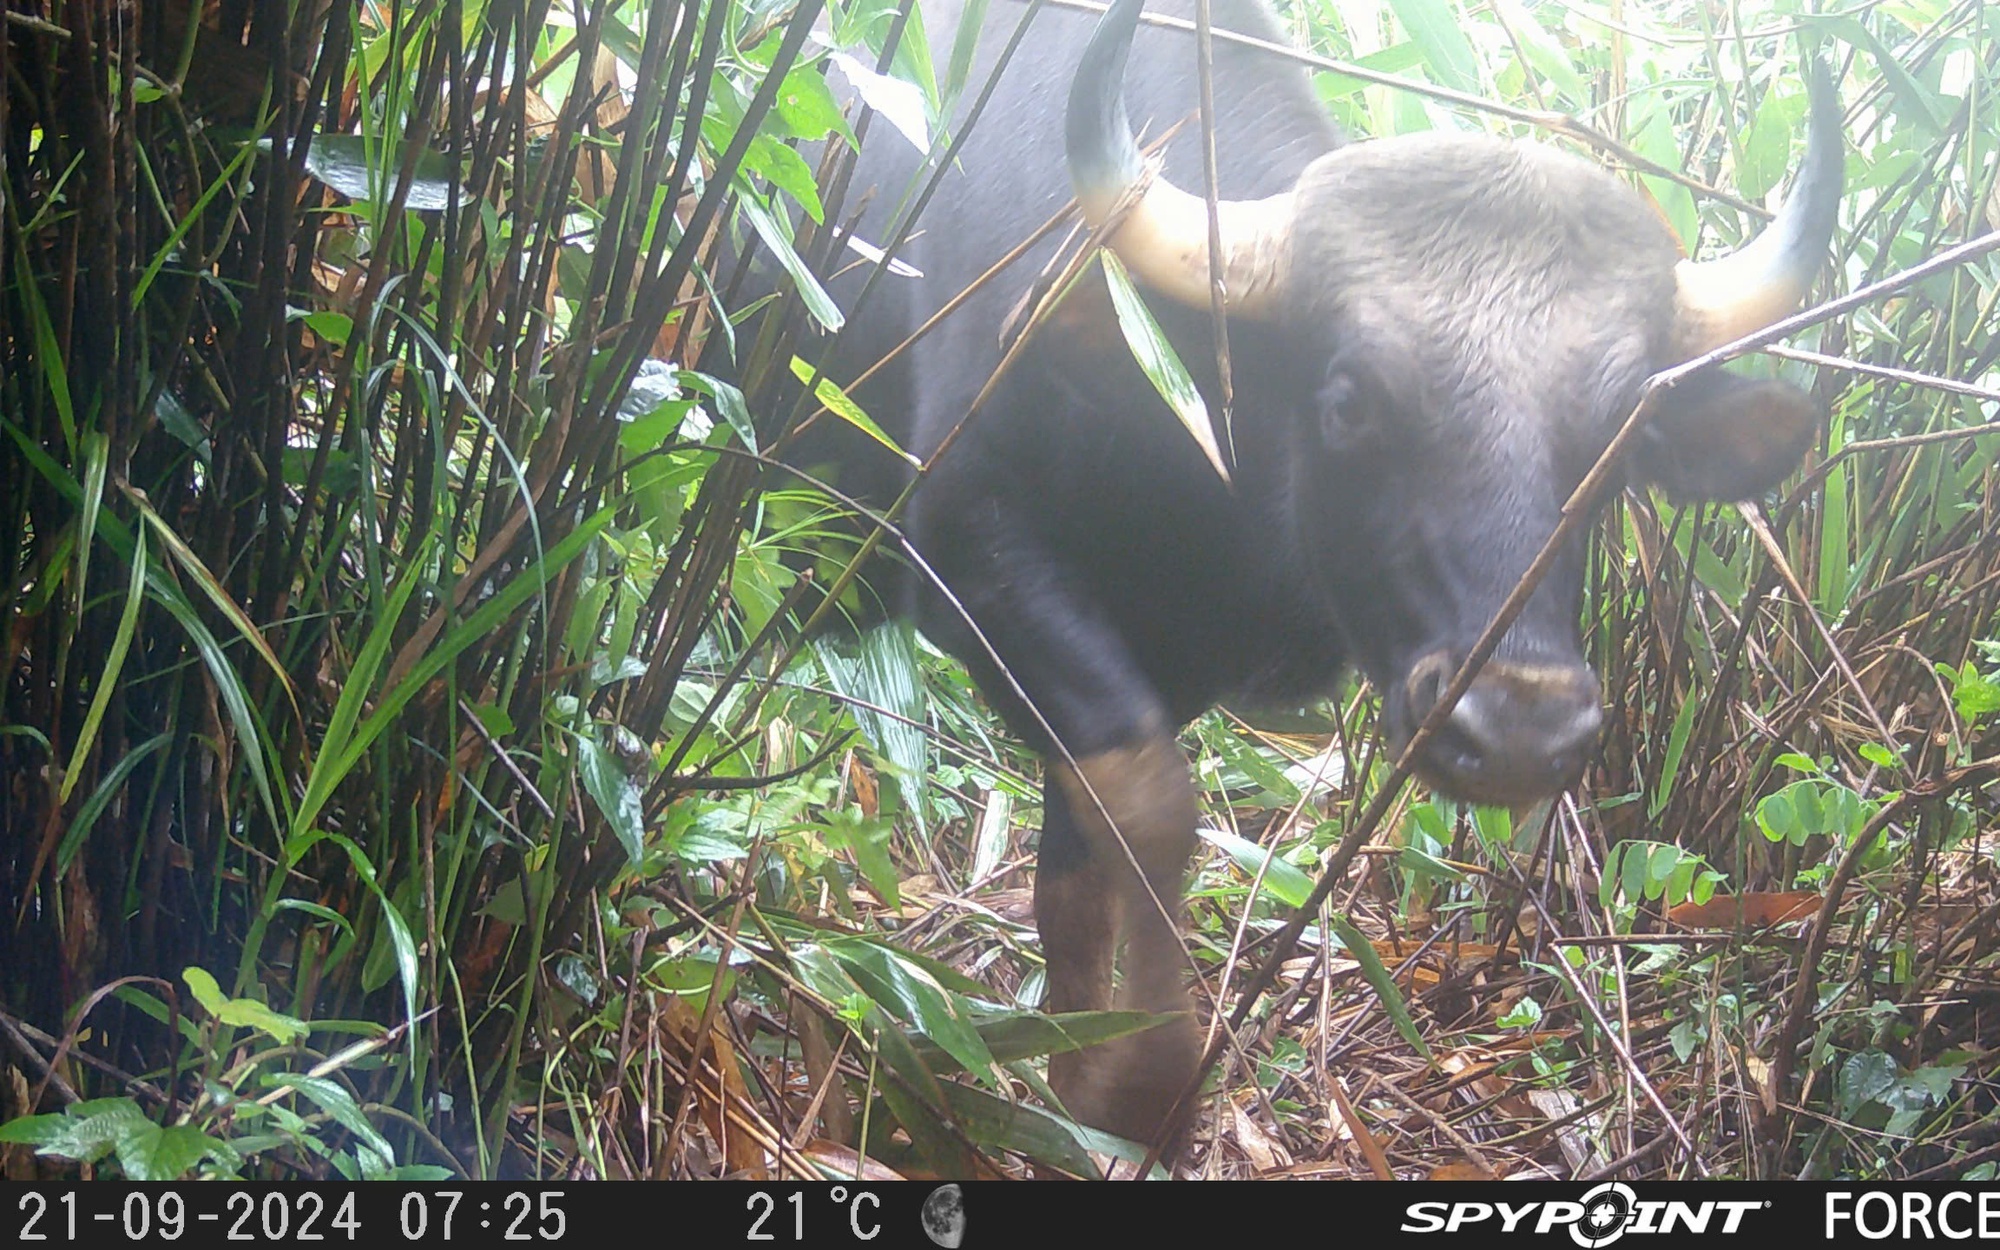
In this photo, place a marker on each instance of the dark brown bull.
(1433, 338)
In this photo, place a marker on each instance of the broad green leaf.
(912, 1091)
(242, 1013)
(87, 1131)
(334, 1099)
(1028, 1035)
(886, 674)
(901, 104)
(910, 993)
(869, 841)
(343, 162)
(1767, 148)
(782, 166)
(1776, 818)
(806, 108)
(147, 1152)
(1394, 59)
(1008, 1124)
(1434, 27)
(617, 796)
(729, 403)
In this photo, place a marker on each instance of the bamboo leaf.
(114, 667)
(1159, 362)
(212, 587)
(1377, 976)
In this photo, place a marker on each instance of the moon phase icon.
(944, 1216)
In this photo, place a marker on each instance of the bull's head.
(1481, 316)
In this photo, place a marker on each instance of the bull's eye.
(1345, 410)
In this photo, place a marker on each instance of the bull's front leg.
(1117, 793)
(1120, 808)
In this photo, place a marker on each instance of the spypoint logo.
(1604, 1214)
(1607, 1209)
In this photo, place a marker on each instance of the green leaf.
(913, 1092)
(1396, 58)
(148, 1152)
(1384, 985)
(1865, 1077)
(1632, 874)
(1027, 1035)
(96, 465)
(1776, 817)
(617, 796)
(1805, 796)
(1159, 362)
(780, 165)
(1543, 50)
(186, 221)
(1971, 693)
(107, 679)
(89, 1130)
(885, 673)
(243, 1013)
(192, 565)
(728, 403)
(331, 766)
(869, 841)
(959, 68)
(1657, 141)
(32, 1130)
(778, 239)
(806, 108)
(347, 163)
(1767, 148)
(836, 401)
(1008, 1124)
(1435, 29)
(334, 327)
(900, 103)
(1676, 745)
(1914, 101)
(911, 994)
(1284, 881)
(334, 1099)
(80, 828)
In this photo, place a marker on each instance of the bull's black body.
(1467, 324)
(1075, 518)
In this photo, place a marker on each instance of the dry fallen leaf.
(1757, 910)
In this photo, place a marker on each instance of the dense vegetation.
(416, 763)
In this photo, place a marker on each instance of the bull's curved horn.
(1164, 236)
(1722, 300)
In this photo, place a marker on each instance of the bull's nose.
(1521, 732)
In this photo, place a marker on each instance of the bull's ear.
(1719, 436)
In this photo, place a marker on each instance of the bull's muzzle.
(1521, 732)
